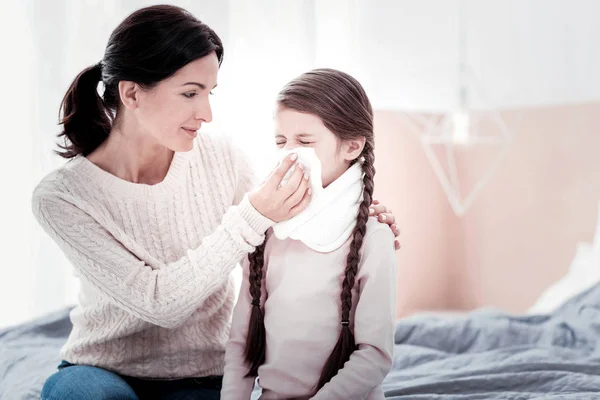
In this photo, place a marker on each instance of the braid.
(256, 339)
(345, 344)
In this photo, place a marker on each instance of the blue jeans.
(83, 382)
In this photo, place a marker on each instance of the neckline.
(173, 178)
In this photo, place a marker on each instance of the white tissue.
(309, 161)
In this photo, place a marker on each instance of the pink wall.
(520, 234)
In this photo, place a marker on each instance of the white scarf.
(330, 218)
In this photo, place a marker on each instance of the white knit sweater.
(154, 261)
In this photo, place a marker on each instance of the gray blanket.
(29, 354)
(488, 354)
(483, 355)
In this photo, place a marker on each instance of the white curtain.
(17, 160)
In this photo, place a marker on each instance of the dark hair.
(150, 45)
(342, 104)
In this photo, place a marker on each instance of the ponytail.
(83, 115)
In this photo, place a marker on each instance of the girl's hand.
(282, 203)
(385, 215)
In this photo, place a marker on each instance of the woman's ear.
(129, 94)
(353, 148)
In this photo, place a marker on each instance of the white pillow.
(584, 272)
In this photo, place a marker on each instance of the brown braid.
(345, 344)
(256, 339)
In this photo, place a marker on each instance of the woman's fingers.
(296, 197)
(279, 172)
(290, 187)
(298, 208)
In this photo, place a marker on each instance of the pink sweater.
(301, 297)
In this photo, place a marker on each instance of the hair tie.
(345, 323)
(256, 303)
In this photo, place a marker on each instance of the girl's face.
(173, 111)
(295, 129)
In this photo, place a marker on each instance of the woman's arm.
(167, 294)
(374, 322)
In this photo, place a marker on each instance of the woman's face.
(174, 110)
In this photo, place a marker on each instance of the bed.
(488, 354)
(485, 354)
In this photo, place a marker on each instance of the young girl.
(316, 311)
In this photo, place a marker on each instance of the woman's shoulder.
(59, 181)
(219, 147)
(225, 157)
(61, 185)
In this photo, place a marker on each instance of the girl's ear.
(353, 148)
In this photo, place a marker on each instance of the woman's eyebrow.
(200, 85)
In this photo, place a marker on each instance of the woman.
(153, 216)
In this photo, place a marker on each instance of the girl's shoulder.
(378, 233)
(378, 253)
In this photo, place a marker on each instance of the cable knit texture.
(154, 261)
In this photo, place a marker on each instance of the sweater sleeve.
(236, 386)
(165, 295)
(374, 322)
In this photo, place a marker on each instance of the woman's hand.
(385, 215)
(282, 203)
